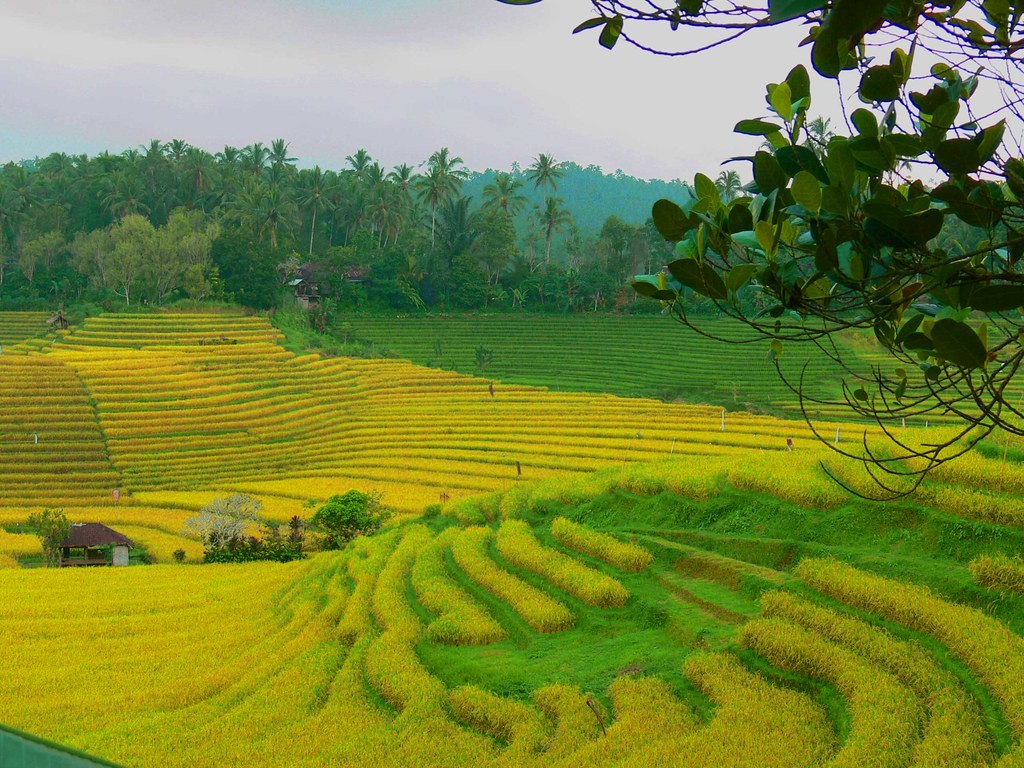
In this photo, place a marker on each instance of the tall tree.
(313, 196)
(545, 172)
(552, 217)
(503, 194)
(441, 183)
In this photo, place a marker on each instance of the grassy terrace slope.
(704, 629)
(709, 599)
(16, 327)
(175, 409)
(632, 356)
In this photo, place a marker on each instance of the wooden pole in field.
(723, 419)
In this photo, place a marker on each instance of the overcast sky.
(401, 78)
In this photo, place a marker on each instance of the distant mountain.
(590, 194)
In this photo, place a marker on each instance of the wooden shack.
(94, 544)
(58, 322)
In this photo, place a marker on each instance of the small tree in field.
(224, 520)
(345, 516)
(52, 528)
(484, 357)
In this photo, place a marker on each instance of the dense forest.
(169, 221)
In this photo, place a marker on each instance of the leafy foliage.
(345, 516)
(52, 528)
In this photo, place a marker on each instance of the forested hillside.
(166, 221)
(591, 193)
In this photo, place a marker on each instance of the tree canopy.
(857, 230)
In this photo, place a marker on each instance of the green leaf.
(910, 327)
(610, 33)
(997, 298)
(645, 288)
(958, 343)
(915, 341)
(699, 276)
(794, 159)
(590, 24)
(921, 227)
(865, 122)
(756, 128)
(957, 156)
(768, 174)
(799, 83)
(710, 200)
(861, 394)
(671, 221)
(988, 140)
(806, 191)
(781, 99)
(739, 276)
(880, 84)
(904, 145)
(784, 10)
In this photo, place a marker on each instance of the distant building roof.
(95, 535)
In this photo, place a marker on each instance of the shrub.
(345, 516)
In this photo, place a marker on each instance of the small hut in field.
(94, 544)
(58, 322)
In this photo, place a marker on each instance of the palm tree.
(279, 153)
(359, 161)
(819, 133)
(455, 229)
(441, 183)
(254, 158)
(198, 173)
(176, 149)
(265, 210)
(729, 185)
(545, 172)
(503, 195)
(385, 212)
(403, 178)
(552, 218)
(313, 194)
(374, 175)
(123, 195)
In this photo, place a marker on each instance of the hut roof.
(95, 535)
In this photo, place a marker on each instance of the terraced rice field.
(651, 589)
(632, 356)
(174, 410)
(16, 327)
(552, 631)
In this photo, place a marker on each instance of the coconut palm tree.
(359, 162)
(729, 185)
(176, 149)
(312, 187)
(440, 183)
(552, 217)
(279, 153)
(123, 195)
(503, 195)
(545, 172)
(254, 158)
(819, 132)
(265, 210)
